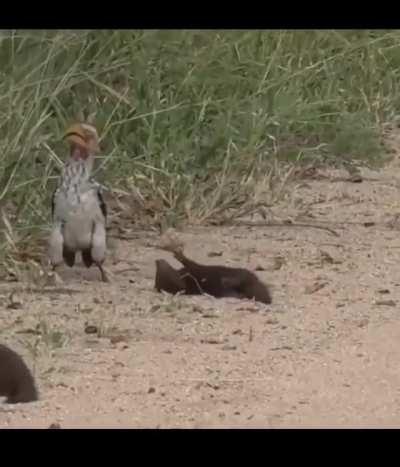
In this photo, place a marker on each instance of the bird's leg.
(104, 276)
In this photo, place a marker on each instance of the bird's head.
(83, 140)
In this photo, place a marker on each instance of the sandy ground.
(324, 354)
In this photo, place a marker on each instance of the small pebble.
(213, 254)
(229, 347)
(272, 321)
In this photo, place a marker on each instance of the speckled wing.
(99, 191)
(53, 203)
(102, 204)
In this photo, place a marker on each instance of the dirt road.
(324, 354)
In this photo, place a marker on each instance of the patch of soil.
(324, 354)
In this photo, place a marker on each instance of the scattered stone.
(209, 315)
(122, 345)
(213, 386)
(118, 339)
(310, 289)
(272, 321)
(356, 178)
(213, 254)
(154, 308)
(229, 347)
(328, 258)
(151, 390)
(278, 262)
(89, 329)
(362, 323)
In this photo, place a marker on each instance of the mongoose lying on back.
(196, 279)
(16, 381)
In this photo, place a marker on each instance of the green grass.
(182, 114)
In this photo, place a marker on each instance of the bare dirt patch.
(324, 353)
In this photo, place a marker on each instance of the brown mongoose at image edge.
(16, 380)
(195, 279)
